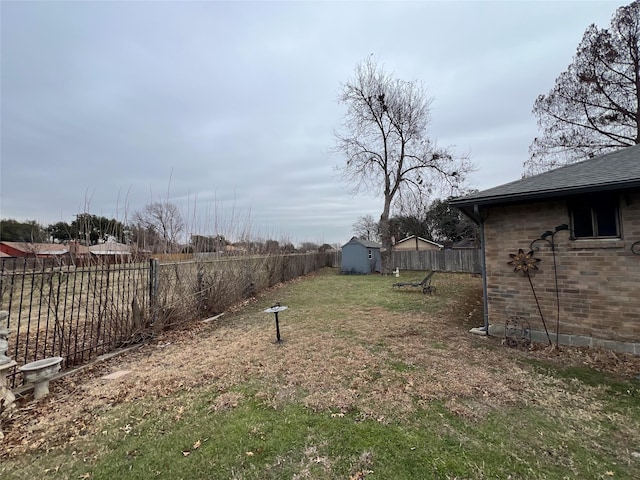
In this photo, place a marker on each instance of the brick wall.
(598, 280)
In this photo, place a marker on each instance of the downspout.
(483, 261)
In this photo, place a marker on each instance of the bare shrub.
(206, 287)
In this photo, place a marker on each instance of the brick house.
(590, 212)
(416, 244)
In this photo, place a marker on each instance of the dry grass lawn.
(383, 357)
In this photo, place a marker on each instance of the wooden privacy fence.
(80, 312)
(467, 260)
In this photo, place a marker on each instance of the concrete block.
(478, 331)
(116, 375)
(496, 330)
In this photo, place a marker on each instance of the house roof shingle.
(110, 248)
(412, 237)
(38, 248)
(615, 171)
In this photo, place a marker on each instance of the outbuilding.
(361, 256)
(112, 252)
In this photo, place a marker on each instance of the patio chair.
(425, 284)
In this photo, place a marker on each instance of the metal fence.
(467, 260)
(80, 312)
(76, 313)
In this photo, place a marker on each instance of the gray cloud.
(228, 109)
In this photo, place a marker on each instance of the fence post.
(153, 289)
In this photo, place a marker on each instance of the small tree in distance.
(449, 224)
(594, 107)
(325, 247)
(366, 228)
(92, 229)
(15, 231)
(384, 139)
(165, 220)
(60, 231)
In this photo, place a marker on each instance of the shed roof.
(619, 170)
(364, 243)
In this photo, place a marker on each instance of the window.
(595, 216)
(370, 254)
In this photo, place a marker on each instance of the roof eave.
(544, 194)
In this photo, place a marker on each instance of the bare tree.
(366, 228)
(165, 219)
(385, 142)
(594, 107)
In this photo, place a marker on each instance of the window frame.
(594, 203)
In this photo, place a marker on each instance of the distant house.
(589, 213)
(361, 256)
(234, 250)
(112, 252)
(416, 244)
(77, 250)
(33, 250)
(79, 254)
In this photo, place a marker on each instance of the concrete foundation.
(539, 336)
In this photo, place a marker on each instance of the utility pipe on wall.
(476, 211)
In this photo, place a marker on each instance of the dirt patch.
(378, 363)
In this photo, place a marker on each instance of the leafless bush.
(202, 288)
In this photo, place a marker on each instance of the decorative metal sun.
(523, 261)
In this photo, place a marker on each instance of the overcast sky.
(228, 108)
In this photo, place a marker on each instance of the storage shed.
(361, 256)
